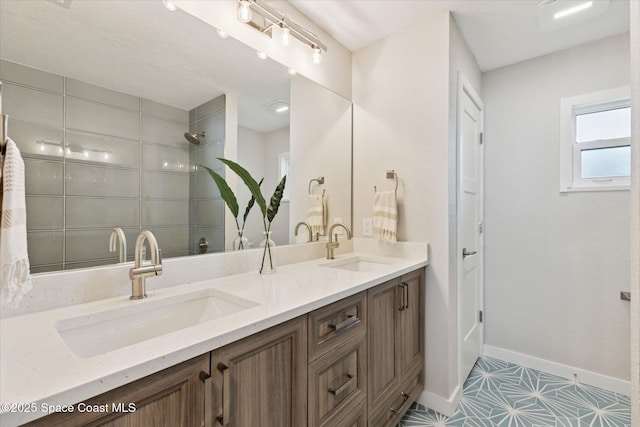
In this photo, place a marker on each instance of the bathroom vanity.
(327, 343)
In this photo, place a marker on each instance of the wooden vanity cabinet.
(396, 347)
(261, 380)
(173, 397)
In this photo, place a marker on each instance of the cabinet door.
(173, 397)
(411, 323)
(261, 380)
(384, 342)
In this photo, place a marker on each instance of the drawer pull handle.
(207, 379)
(404, 296)
(405, 397)
(349, 321)
(224, 370)
(343, 387)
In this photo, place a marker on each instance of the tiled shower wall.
(97, 159)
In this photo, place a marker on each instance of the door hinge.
(481, 138)
(480, 316)
(480, 227)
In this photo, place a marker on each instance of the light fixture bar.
(274, 17)
(575, 9)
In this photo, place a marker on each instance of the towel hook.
(319, 180)
(390, 174)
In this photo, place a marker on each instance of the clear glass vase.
(268, 259)
(240, 243)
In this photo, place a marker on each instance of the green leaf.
(251, 184)
(252, 200)
(225, 192)
(274, 203)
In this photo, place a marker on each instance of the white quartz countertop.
(37, 369)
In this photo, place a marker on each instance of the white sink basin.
(359, 263)
(98, 333)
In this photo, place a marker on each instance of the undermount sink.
(98, 333)
(359, 263)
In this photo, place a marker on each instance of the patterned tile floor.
(501, 394)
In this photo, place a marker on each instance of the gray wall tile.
(37, 141)
(12, 72)
(172, 239)
(205, 186)
(84, 212)
(91, 117)
(102, 95)
(213, 126)
(215, 237)
(164, 132)
(163, 111)
(93, 244)
(44, 247)
(216, 105)
(157, 185)
(45, 213)
(45, 268)
(210, 213)
(165, 159)
(88, 180)
(30, 105)
(110, 151)
(208, 155)
(44, 177)
(165, 212)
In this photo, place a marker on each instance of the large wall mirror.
(100, 96)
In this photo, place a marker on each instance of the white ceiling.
(498, 32)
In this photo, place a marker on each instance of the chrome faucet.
(117, 235)
(295, 233)
(331, 245)
(138, 274)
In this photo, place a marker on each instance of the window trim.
(570, 180)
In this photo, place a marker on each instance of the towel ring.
(319, 180)
(390, 174)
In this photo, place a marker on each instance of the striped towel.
(15, 280)
(385, 216)
(317, 214)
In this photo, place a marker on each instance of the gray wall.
(96, 159)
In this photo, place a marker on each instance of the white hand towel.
(15, 279)
(385, 216)
(316, 214)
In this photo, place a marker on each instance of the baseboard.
(559, 369)
(441, 404)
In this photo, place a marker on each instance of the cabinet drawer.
(356, 418)
(392, 409)
(331, 326)
(337, 383)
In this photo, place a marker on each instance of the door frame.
(464, 86)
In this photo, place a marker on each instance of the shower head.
(193, 137)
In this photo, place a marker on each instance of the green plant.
(268, 212)
(231, 201)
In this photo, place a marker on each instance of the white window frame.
(570, 151)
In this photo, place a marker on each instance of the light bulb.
(316, 55)
(169, 5)
(222, 34)
(286, 36)
(261, 54)
(244, 11)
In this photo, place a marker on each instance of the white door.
(470, 224)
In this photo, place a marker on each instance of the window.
(595, 150)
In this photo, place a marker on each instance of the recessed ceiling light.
(222, 34)
(278, 107)
(261, 54)
(292, 71)
(571, 10)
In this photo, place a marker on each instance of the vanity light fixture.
(269, 21)
(169, 5)
(222, 34)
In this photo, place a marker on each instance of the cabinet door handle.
(224, 370)
(466, 253)
(206, 379)
(349, 321)
(405, 396)
(405, 288)
(343, 387)
(401, 289)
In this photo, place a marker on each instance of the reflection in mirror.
(99, 102)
